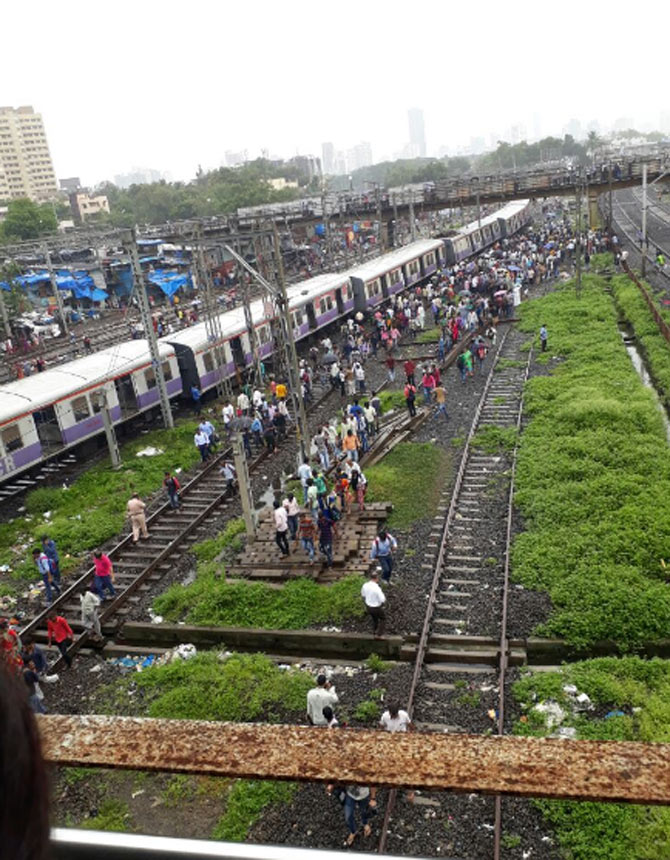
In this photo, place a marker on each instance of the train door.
(385, 286)
(339, 301)
(125, 391)
(237, 351)
(48, 431)
(311, 316)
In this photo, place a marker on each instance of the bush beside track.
(593, 479)
(631, 702)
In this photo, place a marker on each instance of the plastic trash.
(583, 701)
(553, 713)
(148, 661)
(570, 689)
(614, 714)
(149, 451)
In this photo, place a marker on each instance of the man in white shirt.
(281, 526)
(202, 444)
(304, 473)
(317, 698)
(396, 720)
(227, 413)
(243, 403)
(374, 599)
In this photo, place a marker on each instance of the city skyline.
(99, 126)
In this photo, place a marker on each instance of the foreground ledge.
(579, 770)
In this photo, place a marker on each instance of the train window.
(298, 319)
(396, 276)
(80, 409)
(329, 302)
(430, 259)
(207, 361)
(167, 370)
(11, 438)
(150, 378)
(350, 292)
(263, 334)
(97, 400)
(413, 268)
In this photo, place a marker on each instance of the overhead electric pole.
(54, 287)
(212, 318)
(130, 244)
(578, 240)
(5, 316)
(112, 444)
(644, 220)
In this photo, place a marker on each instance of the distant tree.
(28, 220)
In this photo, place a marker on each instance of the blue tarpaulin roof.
(80, 283)
(169, 282)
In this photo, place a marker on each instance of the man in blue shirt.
(195, 397)
(44, 566)
(49, 547)
(383, 548)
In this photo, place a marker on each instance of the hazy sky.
(171, 85)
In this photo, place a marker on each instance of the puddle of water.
(273, 491)
(639, 365)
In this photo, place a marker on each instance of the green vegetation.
(593, 480)
(599, 262)
(469, 700)
(27, 220)
(241, 687)
(429, 335)
(396, 479)
(637, 694)
(211, 601)
(509, 363)
(245, 802)
(653, 345)
(376, 664)
(92, 509)
(510, 841)
(370, 710)
(113, 815)
(391, 399)
(492, 439)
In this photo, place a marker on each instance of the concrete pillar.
(594, 214)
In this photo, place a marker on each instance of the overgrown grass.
(241, 688)
(392, 399)
(593, 480)
(211, 601)
(245, 803)
(492, 439)
(113, 815)
(429, 335)
(599, 831)
(92, 509)
(411, 477)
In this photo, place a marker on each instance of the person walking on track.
(383, 547)
(103, 578)
(135, 509)
(374, 599)
(90, 603)
(61, 633)
(172, 486)
(317, 699)
(281, 528)
(440, 395)
(543, 338)
(44, 566)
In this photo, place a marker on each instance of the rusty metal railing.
(531, 767)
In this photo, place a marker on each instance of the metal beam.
(533, 767)
(54, 287)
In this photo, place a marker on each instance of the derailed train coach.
(44, 414)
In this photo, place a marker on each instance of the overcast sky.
(171, 85)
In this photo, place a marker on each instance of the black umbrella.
(329, 358)
(243, 422)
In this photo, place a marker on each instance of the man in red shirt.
(104, 574)
(409, 371)
(60, 631)
(428, 384)
(10, 650)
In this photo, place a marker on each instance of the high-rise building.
(417, 131)
(327, 158)
(359, 156)
(138, 176)
(24, 155)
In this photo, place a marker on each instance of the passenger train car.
(44, 414)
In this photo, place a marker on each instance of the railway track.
(456, 650)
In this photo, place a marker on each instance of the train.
(43, 415)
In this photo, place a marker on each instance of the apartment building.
(25, 162)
